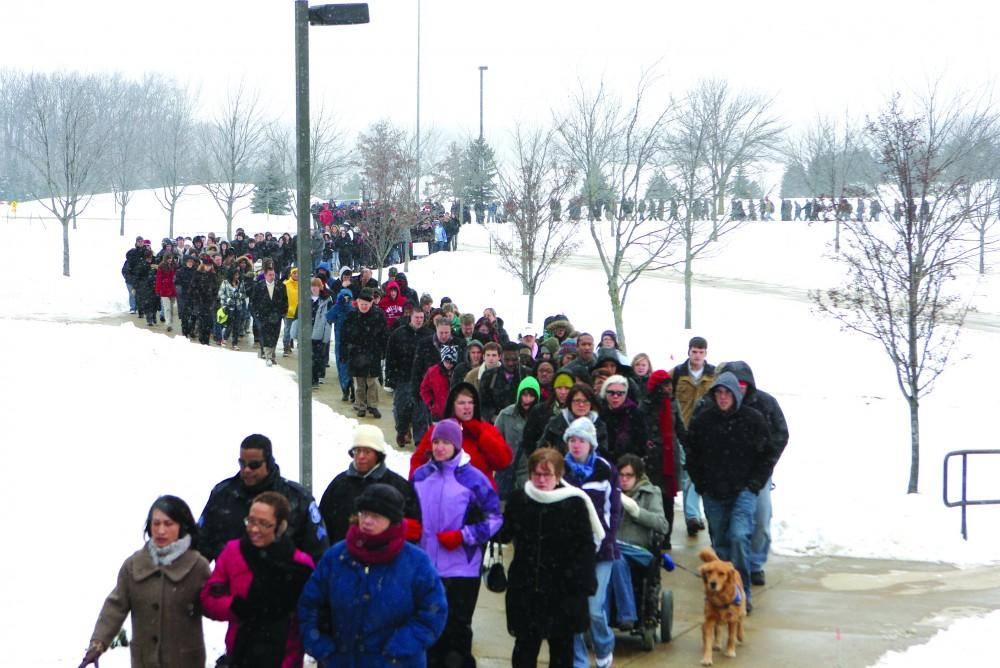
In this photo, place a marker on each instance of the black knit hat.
(382, 499)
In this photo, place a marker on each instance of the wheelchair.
(654, 605)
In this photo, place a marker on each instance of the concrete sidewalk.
(814, 612)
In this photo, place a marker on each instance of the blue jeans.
(131, 297)
(760, 542)
(692, 501)
(622, 592)
(730, 524)
(600, 633)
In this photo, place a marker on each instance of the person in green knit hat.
(510, 423)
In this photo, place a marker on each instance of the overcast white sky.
(814, 57)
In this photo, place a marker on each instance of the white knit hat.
(368, 436)
(581, 428)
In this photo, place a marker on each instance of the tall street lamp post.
(324, 15)
(482, 157)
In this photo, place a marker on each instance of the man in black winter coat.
(362, 346)
(427, 354)
(183, 281)
(730, 459)
(230, 500)
(268, 304)
(367, 468)
(498, 387)
(399, 354)
(133, 257)
(760, 543)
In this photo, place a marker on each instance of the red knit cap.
(658, 377)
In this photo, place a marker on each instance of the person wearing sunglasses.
(229, 503)
(256, 586)
(627, 433)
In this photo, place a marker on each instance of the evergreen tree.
(480, 170)
(270, 195)
(660, 188)
(795, 182)
(744, 188)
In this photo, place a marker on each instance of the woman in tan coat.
(159, 585)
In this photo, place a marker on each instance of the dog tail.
(708, 554)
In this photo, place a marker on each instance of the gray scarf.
(164, 556)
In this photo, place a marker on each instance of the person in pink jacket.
(255, 587)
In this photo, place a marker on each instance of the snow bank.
(99, 422)
(969, 637)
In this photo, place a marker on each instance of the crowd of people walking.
(553, 441)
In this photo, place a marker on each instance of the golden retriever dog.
(725, 603)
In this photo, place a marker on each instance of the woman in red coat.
(165, 289)
(435, 386)
(255, 587)
(486, 447)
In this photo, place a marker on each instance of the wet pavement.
(815, 611)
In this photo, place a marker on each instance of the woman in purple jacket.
(461, 511)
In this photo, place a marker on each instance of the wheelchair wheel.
(648, 639)
(666, 616)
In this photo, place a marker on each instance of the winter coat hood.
(729, 381)
(449, 408)
(393, 285)
(743, 373)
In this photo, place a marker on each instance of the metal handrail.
(964, 502)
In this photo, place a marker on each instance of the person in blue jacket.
(336, 315)
(374, 600)
(460, 511)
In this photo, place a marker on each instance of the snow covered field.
(101, 420)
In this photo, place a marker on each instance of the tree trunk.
(616, 310)
(531, 306)
(121, 229)
(982, 250)
(914, 402)
(173, 207)
(836, 236)
(65, 226)
(74, 226)
(229, 219)
(688, 275)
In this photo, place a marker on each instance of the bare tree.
(388, 172)
(131, 119)
(609, 143)
(833, 157)
(232, 144)
(540, 240)
(14, 172)
(742, 131)
(980, 193)
(329, 155)
(66, 141)
(171, 147)
(899, 272)
(687, 145)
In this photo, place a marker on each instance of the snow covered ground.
(105, 419)
(948, 646)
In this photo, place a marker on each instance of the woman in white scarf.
(159, 584)
(555, 531)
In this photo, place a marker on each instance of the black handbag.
(493, 574)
